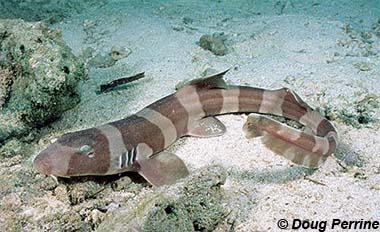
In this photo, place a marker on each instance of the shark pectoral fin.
(207, 127)
(163, 169)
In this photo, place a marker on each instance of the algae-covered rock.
(5, 84)
(216, 43)
(38, 73)
(14, 147)
(360, 112)
(194, 204)
(79, 192)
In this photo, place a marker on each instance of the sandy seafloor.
(297, 44)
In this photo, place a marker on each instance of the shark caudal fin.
(299, 147)
(163, 168)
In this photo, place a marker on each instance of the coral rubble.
(196, 204)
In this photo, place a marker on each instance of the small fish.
(137, 143)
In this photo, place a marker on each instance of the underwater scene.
(213, 115)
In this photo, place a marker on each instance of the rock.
(95, 217)
(112, 206)
(363, 66)
(187, 20)
(101, 61)
(78, 192)
(61, 193)
(214, 43)
(44, 76)
(122, 183)
(194, 204)
(118, 53)
(108, 60)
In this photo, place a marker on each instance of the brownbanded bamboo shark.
(137, 143)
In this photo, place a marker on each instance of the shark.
(137, 143)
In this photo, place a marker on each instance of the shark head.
(79, 153)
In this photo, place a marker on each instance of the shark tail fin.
(299, 147)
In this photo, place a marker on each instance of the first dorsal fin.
(214, 81)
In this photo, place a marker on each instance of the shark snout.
(54, 160)
(42, 163)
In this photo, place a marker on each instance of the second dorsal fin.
(213, 81)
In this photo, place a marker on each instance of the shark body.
(137, 142)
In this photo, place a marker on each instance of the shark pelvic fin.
(207, 127)
(163, 168)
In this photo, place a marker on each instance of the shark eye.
(85, 149)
